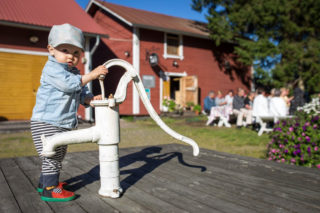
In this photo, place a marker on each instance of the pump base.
(116, 193)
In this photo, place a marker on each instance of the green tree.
(278, 34)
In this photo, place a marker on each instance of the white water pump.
(106, 132)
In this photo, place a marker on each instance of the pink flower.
(273, 151)
(291, 129)
(307, 138)
(283, 160)
(269, 158)
(303, 134)
(316, 148)
(293, 160)
(318, 166)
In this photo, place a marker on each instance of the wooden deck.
(167, 179)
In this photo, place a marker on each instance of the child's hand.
(100, 70)
(97, 97)
(94, 74)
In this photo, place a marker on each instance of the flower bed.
(297, 140)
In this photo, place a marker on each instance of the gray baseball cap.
(66, 34)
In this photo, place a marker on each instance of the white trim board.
(111, 12)
(136, 65)
(26, 52)
(179, 74)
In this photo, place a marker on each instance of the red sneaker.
(56, 194)
(62, 185)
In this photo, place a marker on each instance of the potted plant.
(197, 109)
(165, 105)
(189, 105)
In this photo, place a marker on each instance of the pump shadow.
(150, 158)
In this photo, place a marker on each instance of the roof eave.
(167, 30)
(144, 26)
(110, 11)
(88, 6)
(43, 28)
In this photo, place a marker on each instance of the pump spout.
(153, 114)
(120, 96)
(73, 137)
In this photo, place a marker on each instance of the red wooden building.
(189, 64)
(24, 27)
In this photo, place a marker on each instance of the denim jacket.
(59, 95)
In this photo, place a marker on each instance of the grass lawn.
(146, 133)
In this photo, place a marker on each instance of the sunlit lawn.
(146, 133)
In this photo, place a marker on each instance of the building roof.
(150, 20)
(42, 14)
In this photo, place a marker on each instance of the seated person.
(209, 102)
(240, 110)
(229, 98)
(284, 95)
(248, 101)
(260, 104)
(220, 101)
(278, 106)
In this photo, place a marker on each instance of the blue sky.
(179, 8)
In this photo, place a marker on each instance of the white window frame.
(180, 56)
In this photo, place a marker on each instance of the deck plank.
(269, 187)
(6, 197)
(90, 173)
(173, 173)
(289, 182)
(27, 198)
(265, 196)
(32, 171)
(87, 203)
(149, 177)
(137, 195)
(167, 178)
(155, 188)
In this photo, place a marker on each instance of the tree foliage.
(280, 37)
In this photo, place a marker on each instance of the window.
(173, 46)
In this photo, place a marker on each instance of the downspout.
(95, 45)
(88, 67)
(136, 65)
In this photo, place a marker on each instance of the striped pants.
(50, 165)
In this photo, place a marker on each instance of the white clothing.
(229, 100)
(278, 107)
(260, 106)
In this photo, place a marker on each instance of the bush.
(296, 140)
